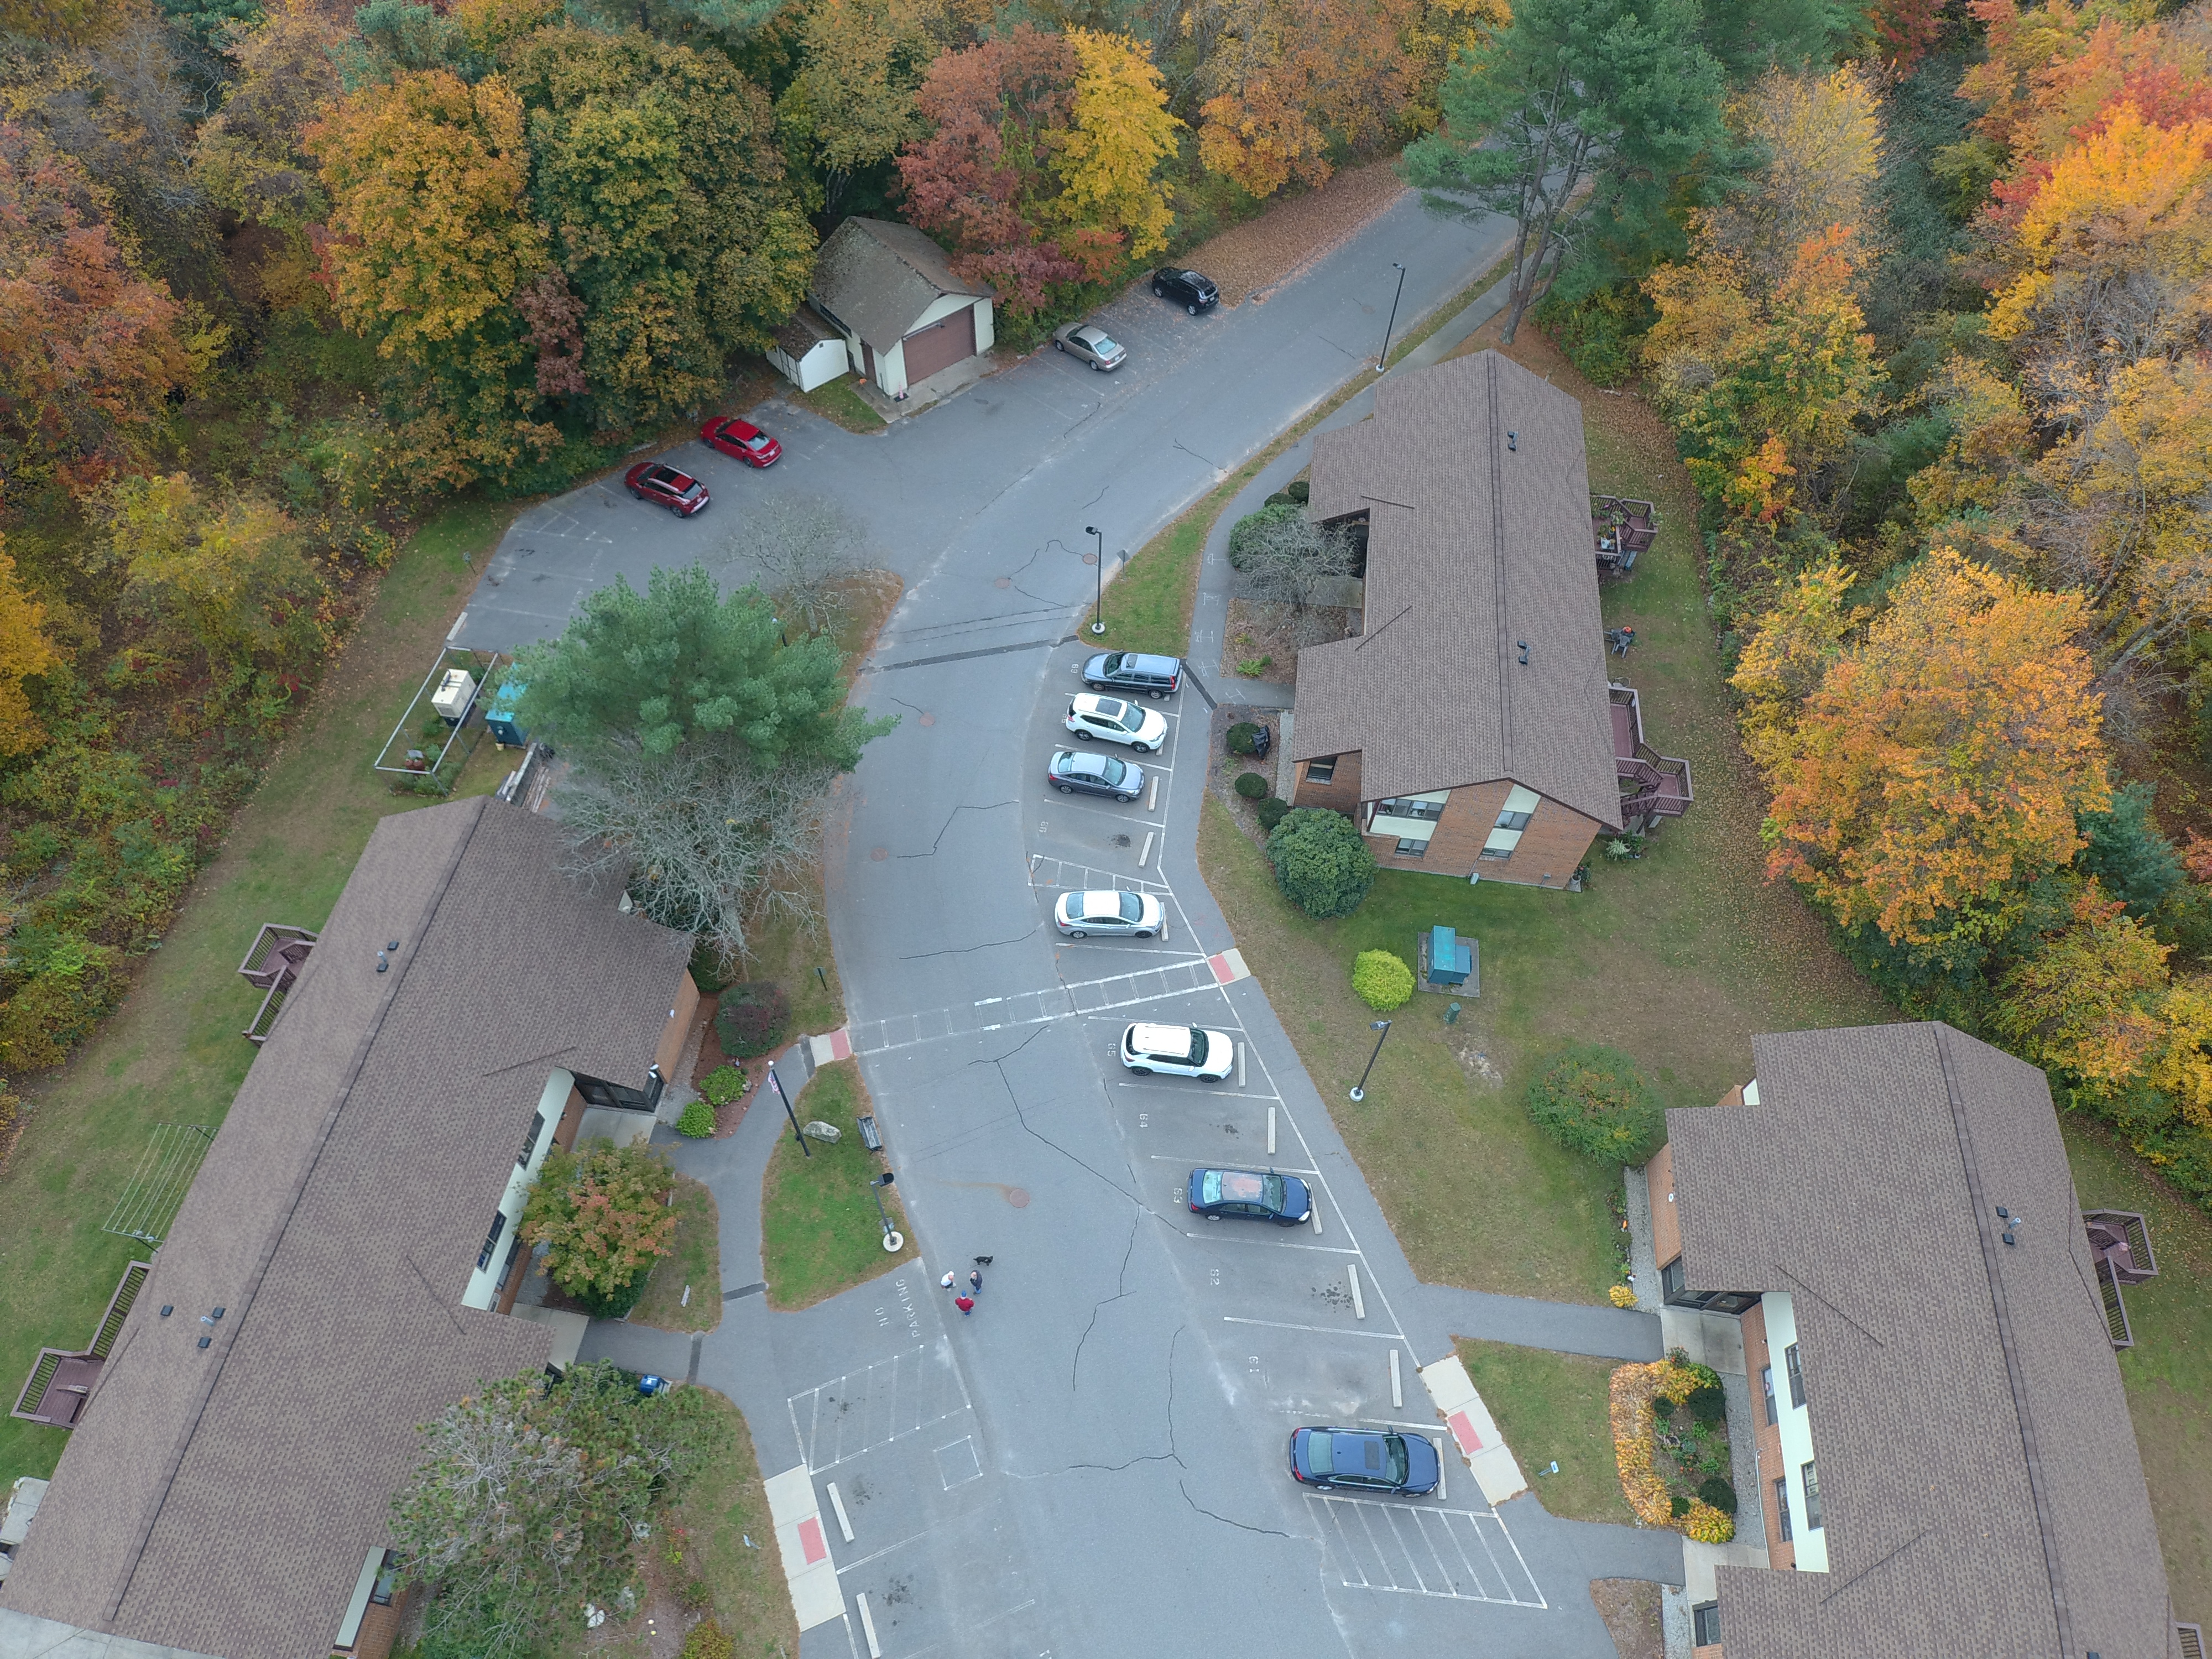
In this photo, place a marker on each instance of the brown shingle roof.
(878, 278)
(1980, 1484)
(223, 1501)
(1471, 547)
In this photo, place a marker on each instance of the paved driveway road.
(1094, 1463)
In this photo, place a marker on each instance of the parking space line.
(1211, 1094)
(1318, 1330)
(1172, 1157)
(1270, 1243)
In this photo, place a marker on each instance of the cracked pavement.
(1003, 1474)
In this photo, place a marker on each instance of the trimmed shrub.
(1716, 1491)
(1244, 737)
(1708, 1525)
(1592, 1100)
(722, 1086)
(707, 1641)
(1709, 1404)
(1251, 786)
(1382, 981)
(1252, 525)
(752, 1019)
(707, 972)
(1321, 861)
(1622, 1296)
(1270, 813)
(697, 1120)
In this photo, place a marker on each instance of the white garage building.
(890, 292)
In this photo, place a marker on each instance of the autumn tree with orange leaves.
(1940, 764)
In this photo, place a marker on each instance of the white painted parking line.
(1318, 1330)
(1240, 1237)
(856, 1414)
(1417, 1549)
(1176, 1157)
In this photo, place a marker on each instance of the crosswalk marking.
(1074, 1000)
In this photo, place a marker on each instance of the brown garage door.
(940, 345)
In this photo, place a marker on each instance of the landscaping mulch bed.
(1630, 1607)
(711, 1059)
(1250, 260)
(1221, 774)
(1257, 629)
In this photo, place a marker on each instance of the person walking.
(975, 1282)
(965, 1303)
(946, 1281)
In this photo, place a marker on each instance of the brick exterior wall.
(572, 1119)
(379, 1628)
(685, 1002)
(1665, 1219)
(1340, 794)
(1558, 839)
(1766, 1437)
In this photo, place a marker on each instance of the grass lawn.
(2168, 1372)
(1553, 1407)
(173, 1052)
(696, 1260)
(838, 402)
(725, 1506)
(819, 1231)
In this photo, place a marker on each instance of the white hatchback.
(1179, 1051)
(1112, 721)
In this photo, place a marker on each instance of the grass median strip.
(1552, 1408)
(820, 1231)
(695, 1262)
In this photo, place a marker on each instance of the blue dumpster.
(500, 721)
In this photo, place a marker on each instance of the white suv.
(1180, 1051)
(1089, 715)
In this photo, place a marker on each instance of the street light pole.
(776, 1083)
(1098, 609)
(1382, 363)
(1360, 1089)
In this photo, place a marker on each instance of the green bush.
(723, 1084)
(1244, 737)
(1270, 813)
(1251, 786)
(1382, 981)
(1708, 1404)
(1252, 667)
(708, 971)
(1321, 861)
(1716, 1491)
(697, 1120)
(1592, 1100)
(1296, 493)
(708, 1641)
(1240, 538)
(751, 1018)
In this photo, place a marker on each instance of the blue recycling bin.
(500, 721)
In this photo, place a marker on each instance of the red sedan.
(679, 492)
(741, 439)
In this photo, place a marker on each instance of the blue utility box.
(1449, 959)
(500, 721)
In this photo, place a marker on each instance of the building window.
(1767, 1387)
(1410, 848)
(1409, 806)
(1705, 1625)
(1512, 818)
(387, 1580)
(1323, 771)
(1812, 1499)
(491, 1241)
(1672, 1280)
(1796, 1376)
(530, 1141)
(1782, 1507)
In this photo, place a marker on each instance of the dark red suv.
(679, 492)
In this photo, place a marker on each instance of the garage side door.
(940, 345)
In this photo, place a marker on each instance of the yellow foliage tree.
(1822, 137)
(25, 650)
(1285, 78)
(1940, 764)
(1789, 654)
(2182, 1066)
(2087, 999)
(1120, 132)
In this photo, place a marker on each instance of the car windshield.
(1271, 1191)
(1395, 1458)
(1111, 770)
(1321, 1446)
(1131, 907)
(1114, 661)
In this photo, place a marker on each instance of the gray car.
(1076, 773)
(1091, 343)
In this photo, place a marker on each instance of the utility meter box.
(500, 718)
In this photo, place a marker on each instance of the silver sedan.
(1091, 343)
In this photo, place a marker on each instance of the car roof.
(1090, 331)
(1077, 760)
(1103, 901)
(1169, 1039)
(1091, 702)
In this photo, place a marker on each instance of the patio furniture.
(1449, 962)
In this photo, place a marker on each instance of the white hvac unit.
(454, 695)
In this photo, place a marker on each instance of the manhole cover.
(1019, 1197)
(1121, 840)
(1004, 581)
(879, 853)
(926, 720)
(1091, 558)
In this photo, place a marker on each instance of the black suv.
(1132, 675)
(1192, 292)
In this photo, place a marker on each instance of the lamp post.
(1360, 1089)
(776, 1083)
(1099, 607)
(1382, 363)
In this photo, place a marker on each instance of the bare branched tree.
(800, 552)
(1287, 560)
(706, 846)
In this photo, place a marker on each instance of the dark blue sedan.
(1365, 1460)
(1281, 1198)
